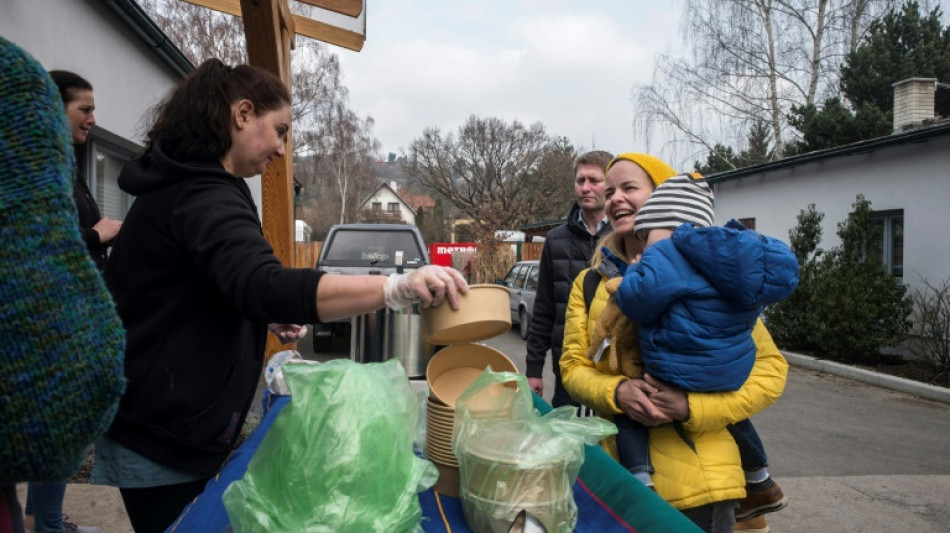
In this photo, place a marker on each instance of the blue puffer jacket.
(697, 296)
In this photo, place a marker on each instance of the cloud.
(568, 68)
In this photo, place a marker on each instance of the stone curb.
(930, 392)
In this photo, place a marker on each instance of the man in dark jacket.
(567, 251)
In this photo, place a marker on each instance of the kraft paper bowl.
(483, 313)
(452, 369)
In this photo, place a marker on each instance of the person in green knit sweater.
(61, 342)
(44, 501)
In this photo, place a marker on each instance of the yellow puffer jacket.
(684, 478)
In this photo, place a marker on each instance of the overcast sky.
(568, 64)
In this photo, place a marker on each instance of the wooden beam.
(329, 34)
(352, 8)
(320, 31)
(268, 47)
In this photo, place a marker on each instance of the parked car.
(522, 284)
(365, 249)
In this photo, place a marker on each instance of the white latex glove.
(429, 285)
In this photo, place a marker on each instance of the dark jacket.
(696, 297)
(88, 217)
(567, 251)
(195, 284)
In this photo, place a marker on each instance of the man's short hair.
(595, 157)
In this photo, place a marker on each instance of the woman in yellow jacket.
(696, 461)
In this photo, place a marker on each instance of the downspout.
(154, 37)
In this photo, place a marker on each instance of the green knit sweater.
(61, 342)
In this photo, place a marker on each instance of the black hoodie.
(195, 284)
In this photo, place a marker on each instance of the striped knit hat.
(658, 170)
(61, 342)
(677, 200)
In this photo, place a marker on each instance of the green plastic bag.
(513, 459)
(339, 456)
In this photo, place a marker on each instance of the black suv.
(365, 249)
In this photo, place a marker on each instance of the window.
(748, 222)
(99, 162)
(532, 284)
(393, 206)
(891, 250)
(377, 206)
(513, 274)
(519, 281)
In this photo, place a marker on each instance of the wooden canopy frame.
(269, 29)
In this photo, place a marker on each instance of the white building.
(905, 176)
(385, 205)
(124, 55)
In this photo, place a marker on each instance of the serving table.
(608, 497)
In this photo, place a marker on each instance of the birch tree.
(748, 60)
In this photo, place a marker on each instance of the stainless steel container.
(388, 334)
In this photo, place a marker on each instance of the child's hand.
(634, 398)
(671, 400)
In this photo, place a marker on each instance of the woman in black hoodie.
(196, 285)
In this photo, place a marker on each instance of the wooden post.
(268, 30)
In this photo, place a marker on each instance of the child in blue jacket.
(696, 294)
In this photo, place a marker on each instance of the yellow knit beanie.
(658, 170)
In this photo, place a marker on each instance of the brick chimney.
(913, 102)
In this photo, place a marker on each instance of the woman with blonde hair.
(697, 464)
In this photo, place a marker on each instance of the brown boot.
(767, 499)
(753, 525)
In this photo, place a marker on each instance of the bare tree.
(485, 171)
(749, 60)
(199, 32)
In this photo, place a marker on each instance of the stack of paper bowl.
(510, 470)
(483, 313)
(440, 422)
(450, 371)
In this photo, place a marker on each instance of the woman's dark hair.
(69, 83)
(193, 122)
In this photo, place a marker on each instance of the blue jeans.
(44, 501)
(633, 445)
(751, 449)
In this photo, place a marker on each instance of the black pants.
(716, 517)
(153, 509)
(561, 396)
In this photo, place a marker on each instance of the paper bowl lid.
(483, 313)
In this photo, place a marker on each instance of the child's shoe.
(753, 525)
(761, 498)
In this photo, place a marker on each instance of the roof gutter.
(133, 15)
(913, 136)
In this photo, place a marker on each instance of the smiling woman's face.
(628, 187)
(80, 113)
